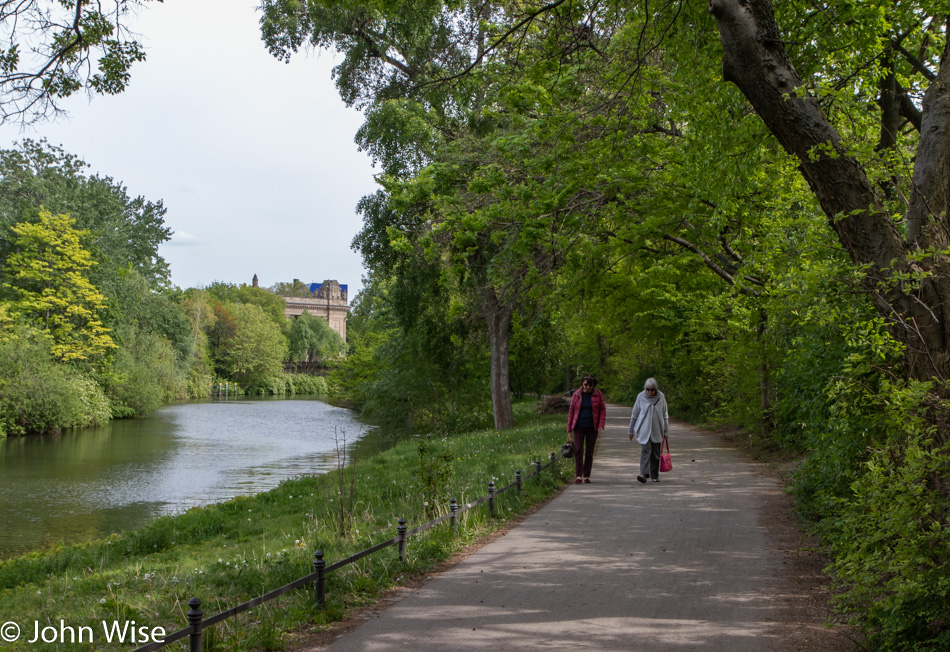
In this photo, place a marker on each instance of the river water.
(88, 483)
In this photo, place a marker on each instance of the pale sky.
(254, 158)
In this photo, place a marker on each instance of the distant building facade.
(327, 300)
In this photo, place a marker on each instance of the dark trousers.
(650, 459)
(584, 441)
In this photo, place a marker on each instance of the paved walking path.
(683, 564)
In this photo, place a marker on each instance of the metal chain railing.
(197, 623)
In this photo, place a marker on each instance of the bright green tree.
(311, 339)
(46, 279)
(121, 232)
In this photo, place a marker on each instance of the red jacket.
(597, 405)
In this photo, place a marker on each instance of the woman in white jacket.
(650, 424)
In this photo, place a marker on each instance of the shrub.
(284, 383)
(891, 544)
(39, 394)
(145, 374)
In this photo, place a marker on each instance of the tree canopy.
(59, 47)
(46, 275)
(312, 340)
(747, 201)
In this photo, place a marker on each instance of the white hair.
(650, 384)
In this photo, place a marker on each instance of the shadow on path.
(683, 564)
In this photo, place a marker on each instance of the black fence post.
(553, 468)
(491, 498)
(320, 592)
(454, 508)
(194, 615)
(401, 529)
(537, 467)
(518, 479)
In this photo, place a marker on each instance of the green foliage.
(436, 458)
(255, 351)
(46, 278)
(289, 384)
(145, 373)
(122, 233)
(295, 288)
(93, 280)
(158, 312)
(312, 339)
(270, 303)
(414, 360)
(39, 394)
(305, 384)
(891, 541)
(60, 48)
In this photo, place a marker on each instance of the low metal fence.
(197, 623)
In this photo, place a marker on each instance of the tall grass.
(228, 553)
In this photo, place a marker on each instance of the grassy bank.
(231, 552)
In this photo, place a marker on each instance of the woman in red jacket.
(585, 420)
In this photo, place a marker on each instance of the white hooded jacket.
(650, 419)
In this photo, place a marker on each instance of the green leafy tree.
(255, 352)
(269, 302)
(156, 347)
(415, 361)
(295, 288)
(312, 339)
(46, 279)
(59, 47)
(122, 232)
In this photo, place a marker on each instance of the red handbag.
(666, 462)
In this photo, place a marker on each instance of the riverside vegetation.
(231, 552)
(745, 200)
(91, 328)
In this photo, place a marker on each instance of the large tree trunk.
(498, 320)
(754, 58)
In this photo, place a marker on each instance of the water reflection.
(92, 482)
